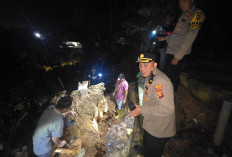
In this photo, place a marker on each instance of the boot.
(119, 114)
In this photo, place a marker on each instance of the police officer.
(158, 107)
(181, 40)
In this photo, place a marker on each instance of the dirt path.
(196, 124)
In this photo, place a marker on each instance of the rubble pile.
(94, 114)
(96, 132)
(119, 137)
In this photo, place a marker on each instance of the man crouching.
(50, 127)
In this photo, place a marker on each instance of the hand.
(175, 61)
(73, 113)
(137, 111)
(62, 143)
(124, 101)
(161, 38)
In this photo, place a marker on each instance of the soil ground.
(196, 124)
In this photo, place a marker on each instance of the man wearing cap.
(158, 107)
(120, 93)
(50, 127)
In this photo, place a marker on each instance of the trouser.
(162, 60)
(173, 71)
(120, 104)
(153, 146)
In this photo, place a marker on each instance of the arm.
(167, 38)
(186, 45)
(164, 38)
(126, 93)
(70, 111)
(58, 142)
(126, 86)
(161, 38)
(115, 90)
(193, 29)
(89, 79)
(137, 111)
(57, 132)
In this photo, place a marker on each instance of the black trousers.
(173, 71)
(153, 146)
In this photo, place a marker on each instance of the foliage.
(143, 18)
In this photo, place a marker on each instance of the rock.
(195, 120)
(210, 151)
(224, 155)
(65, 152)
(117, 138)
(76, 144)
(81, 153)
(19, 154)
(24, 148)
(1, 146)
(56, 98)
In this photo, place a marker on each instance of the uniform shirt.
(185, 32)
(93, 79)
(121, 87)
(49, 125)
(158, 106)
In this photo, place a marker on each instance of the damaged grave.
(96, 132)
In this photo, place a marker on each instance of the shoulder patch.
(159, 91)
(197, 20)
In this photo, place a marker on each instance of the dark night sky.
(41, 13)
(36, 13)
(47, 15)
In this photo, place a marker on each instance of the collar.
(193, 8)
(57, 111)
(148, 78)
(155, 72)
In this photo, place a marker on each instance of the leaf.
(20, 106)
(144, 11)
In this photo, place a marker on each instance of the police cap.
(146, 58)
